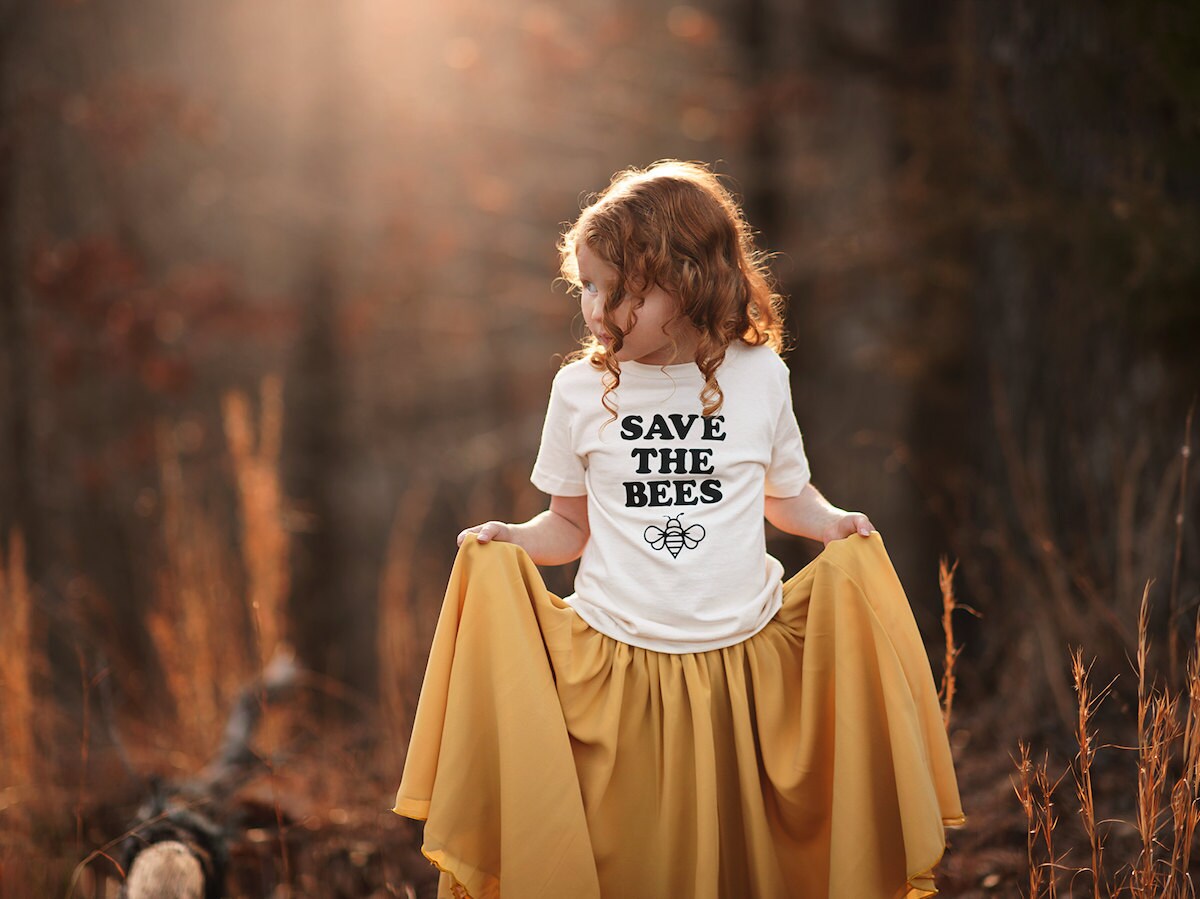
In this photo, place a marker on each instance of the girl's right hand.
(490, 530)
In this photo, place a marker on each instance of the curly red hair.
(675, 225)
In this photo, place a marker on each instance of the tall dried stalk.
(1047, 821)
(1024, 791)
(265, 542)
(1184, 812)
(1143, 870)
(949, 604)
(1087, 704)
(1153, 760)
(1156, 731)
(1035, 792)
(18, 719)
(196, 620)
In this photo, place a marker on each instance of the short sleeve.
(788, 472)
(558, 470)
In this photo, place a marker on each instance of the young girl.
(685, 724)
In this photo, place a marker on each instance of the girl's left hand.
(847, 525)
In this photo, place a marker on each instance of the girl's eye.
(589, 287)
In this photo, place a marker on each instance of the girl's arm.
(809, 514)
(554, 537)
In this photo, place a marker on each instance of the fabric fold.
(810, 760)
(489, 766)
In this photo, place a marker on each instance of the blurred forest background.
(278, 318)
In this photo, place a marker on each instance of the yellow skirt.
(809, 761)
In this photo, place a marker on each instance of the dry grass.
(1035, 791)
(949, 604)
(211, 636)
(1186, 792)
(317, 824)
(18, 712)
(197, 621)
(1156, 732)
(1168, 756)
(1087, 704)
(1168, 777)
(1023, 786)
(265, 543)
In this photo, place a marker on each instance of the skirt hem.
(447, 864)
(416, 809)
(452, 867)
(920, 884)
(460, 874)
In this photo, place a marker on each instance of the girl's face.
(650, 340)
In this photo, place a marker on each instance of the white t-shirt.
(676, 561)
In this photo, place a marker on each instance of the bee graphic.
(674, 536)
